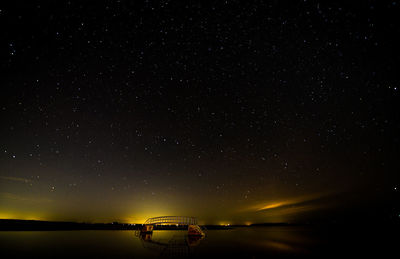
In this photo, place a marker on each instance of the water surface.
(246, 242)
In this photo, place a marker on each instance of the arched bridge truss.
(191, 222)
(172, 220)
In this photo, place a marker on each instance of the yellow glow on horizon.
(6, 215)
(279, 209)
(147, 213)
(11, 215)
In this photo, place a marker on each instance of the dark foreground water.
(242, 242)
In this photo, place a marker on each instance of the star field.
(120, 111)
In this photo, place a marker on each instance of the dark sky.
(234, 112)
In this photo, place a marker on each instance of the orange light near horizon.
(273, 205)
(20, 217)
(6, 216)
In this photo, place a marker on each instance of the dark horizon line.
(118, 222)
(38, 225)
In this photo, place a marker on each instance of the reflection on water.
(177, 245)
(253, 242)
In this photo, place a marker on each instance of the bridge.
(191, 222)
(172, 220)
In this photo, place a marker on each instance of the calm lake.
(244, 242)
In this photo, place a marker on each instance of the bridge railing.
(181, 220)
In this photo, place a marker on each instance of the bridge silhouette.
(191, 222)
(172, 220)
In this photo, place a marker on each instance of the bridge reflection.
(176, 245)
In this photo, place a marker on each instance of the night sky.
(233, 112)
